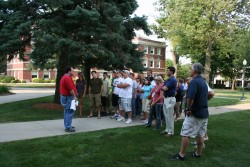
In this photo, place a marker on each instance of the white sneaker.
(145, 121)
(129, 121)
(121, 119)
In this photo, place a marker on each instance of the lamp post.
(243, 79)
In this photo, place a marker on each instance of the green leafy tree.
(81, 33)
(196, 27)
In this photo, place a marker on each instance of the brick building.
(154, 59)
(155, 51)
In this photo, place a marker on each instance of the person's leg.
(170, 115)
(70, 117)
(200, 142)
(158, 110)
(152, 111)
(184, 145)
(80, 105)
(165, 112)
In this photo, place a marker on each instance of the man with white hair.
(195, 123)
(125, 95)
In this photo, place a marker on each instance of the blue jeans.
(133, 106)
(138, 106)
(158, 111)
(68, 113)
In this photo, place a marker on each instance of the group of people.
(147, 98)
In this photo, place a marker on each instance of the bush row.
(41, 80)
(6, 79)
(4, 89)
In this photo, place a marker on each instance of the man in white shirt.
(115, 96)
(125, 95)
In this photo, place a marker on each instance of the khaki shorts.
(95, 100)
(194, 127)
(146, 105)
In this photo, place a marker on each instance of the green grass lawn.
(21, 111)
(227, 97)
(137, 146)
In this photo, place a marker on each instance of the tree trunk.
(87, 74)
(208, 60)
(175, 61)
(233, 84)
(62, 63)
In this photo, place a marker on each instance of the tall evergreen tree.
(81, 32)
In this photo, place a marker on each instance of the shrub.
(6, 79)
(4, 89)
(38, 80)
(15, 81)
(23, 81)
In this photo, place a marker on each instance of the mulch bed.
(48, 106)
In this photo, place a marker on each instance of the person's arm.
(189, 104)
(123, 85)
(101, 87)
(84, 93)
(210, 95)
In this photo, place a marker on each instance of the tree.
(85, 32)
(197, 26)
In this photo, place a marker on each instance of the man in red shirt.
(68, 93)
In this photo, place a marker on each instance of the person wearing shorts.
(95, 89)
(125, 95)
(195, 123)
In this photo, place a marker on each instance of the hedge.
(6, 79)
(4, 89)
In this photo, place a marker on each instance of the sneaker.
(177, 157)
(205, 138)
(114, 116)
(194, 143)
(121, 119)
(129, 121)
(193, 154)
(70, 130)
(145, 121)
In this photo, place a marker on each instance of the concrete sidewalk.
(37, 129)
(26, 93)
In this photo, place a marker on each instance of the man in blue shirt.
(169, 89)
(195, 123)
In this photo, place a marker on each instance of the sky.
(147, 8)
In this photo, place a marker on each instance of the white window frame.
(152, 50)
(158, 51)
(153, 64)
(47, 73)
(145, 62)
(146, 49)
(34, 73)
(158, 63)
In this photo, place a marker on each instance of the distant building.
(155, 51)
(154, 59)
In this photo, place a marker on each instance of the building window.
(145, 62)
(158, 65)
(152, 50)
(145, 49)
(158, 51)
(152, 63)
(46, 74)
(34, 74)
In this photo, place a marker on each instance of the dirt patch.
(48, 106)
